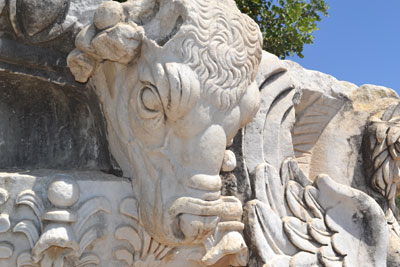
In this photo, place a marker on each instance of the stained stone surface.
(158, 133)
(47, 125)
(47, 119)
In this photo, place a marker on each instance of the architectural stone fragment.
(158, 133)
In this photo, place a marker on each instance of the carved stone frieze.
(294, 220)
(171, 139)
(61, 236)
(57, 219)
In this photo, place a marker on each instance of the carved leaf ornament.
(65, 235)
(313, 231)
(144, 251)
(386, 161)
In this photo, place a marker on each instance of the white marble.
(176, 84)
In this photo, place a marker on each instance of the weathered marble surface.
(296, 150)
(181, 143)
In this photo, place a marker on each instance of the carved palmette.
(60, 234)
(143, 250)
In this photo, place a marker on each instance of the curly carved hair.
(222, 45)
(223, 48)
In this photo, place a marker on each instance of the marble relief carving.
(143, 249)
(384, 156)
(207, 151)
(296, 220)
(61, 235)
(303, 229)
(180, 102)
(68, 224)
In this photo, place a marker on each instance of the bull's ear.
(108, 38)
(183, 92)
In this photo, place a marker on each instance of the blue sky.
(359, 42)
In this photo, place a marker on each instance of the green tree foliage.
(286, 25)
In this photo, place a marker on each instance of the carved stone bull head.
(176, 81)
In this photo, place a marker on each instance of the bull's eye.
(150, 99)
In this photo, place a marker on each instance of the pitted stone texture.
(108, 14)
(63, 192)
(101, 227)
(229, 161)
